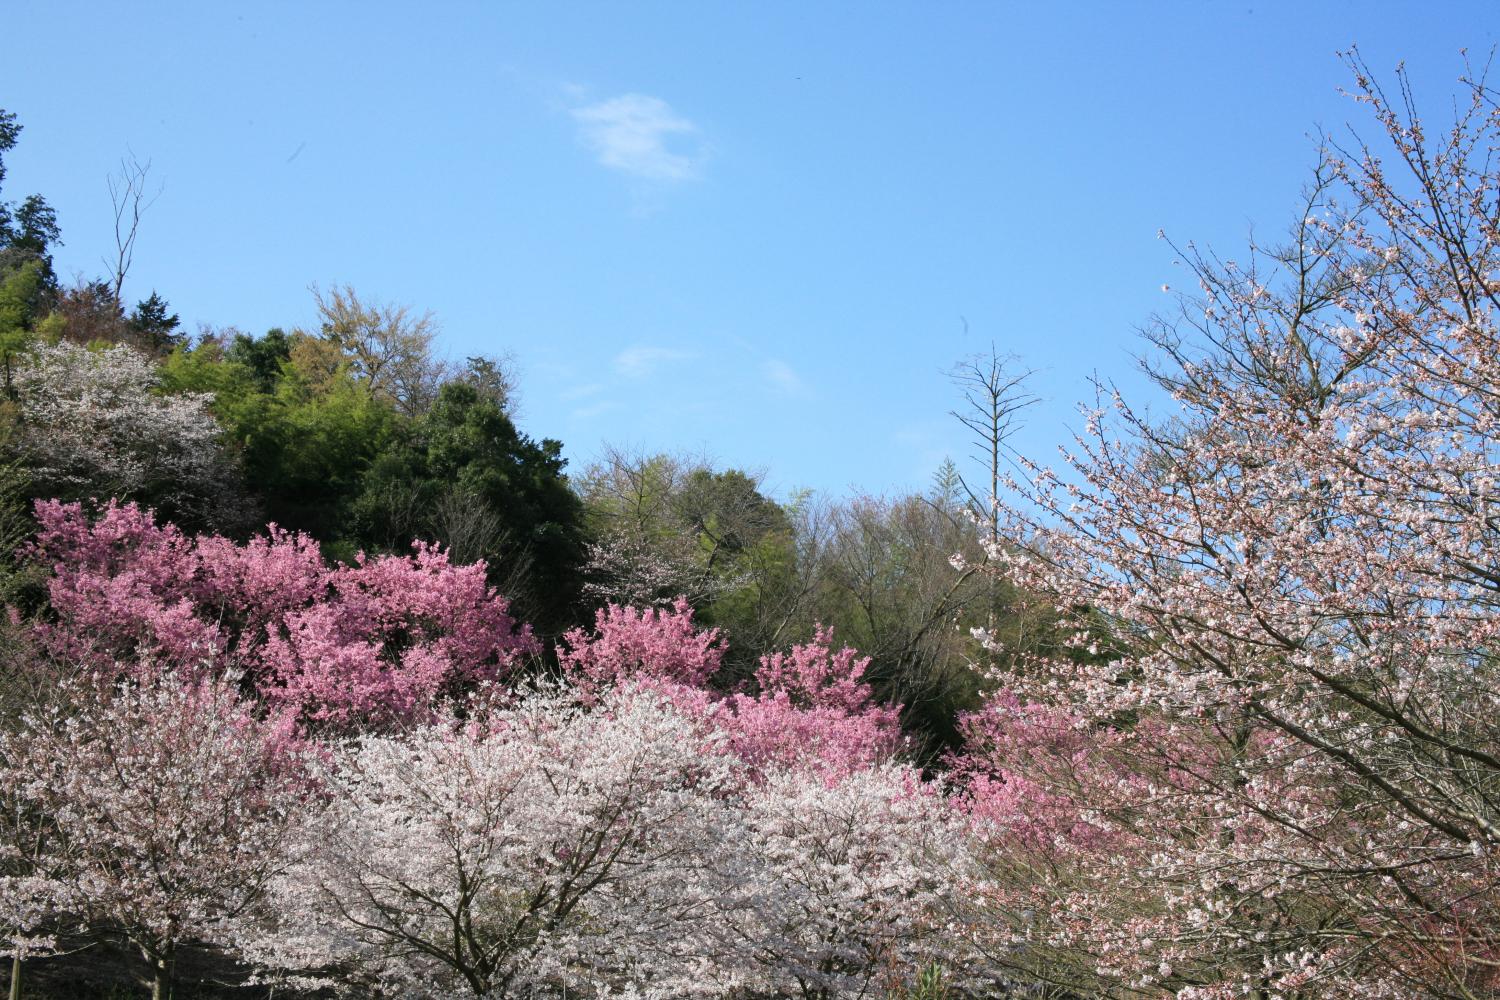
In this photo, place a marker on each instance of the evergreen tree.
(28, 231)
(154, 328)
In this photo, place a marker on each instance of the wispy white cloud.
(641, 361)
(783, 377)
(631, 133)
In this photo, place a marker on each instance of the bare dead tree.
(128, 193)
(994, 394)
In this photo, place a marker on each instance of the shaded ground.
(107, 971)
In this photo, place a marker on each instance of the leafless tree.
(467, 525)
(130, 196)
(994, 394)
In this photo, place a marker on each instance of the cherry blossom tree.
(544, 845)
(810, 704)
(540, 846)
(166, 809)
(92, 424)
(28, 890)
(1275, 771)
(658, 643)
(851, 886)
(627, 566)
(379, 641)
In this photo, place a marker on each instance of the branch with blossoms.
(1282, 777)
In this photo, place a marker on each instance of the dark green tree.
(467, 478)
(262, 356)
(153, 328)
(28, 231)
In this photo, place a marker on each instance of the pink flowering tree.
(165, 807)
(376, 642)
(1285, 779)
(810, 704)
(660, 644)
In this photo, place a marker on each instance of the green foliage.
(10, 131)
(20, 299)
(305, 439)
(464, 475)
(930, 984)
(727, 512)
(35, 228)
(750, 541)
(673, 526)
(492, 378)
(152, 327)
(386, 348)
(263, 356)
(28, 231)
(20, 296)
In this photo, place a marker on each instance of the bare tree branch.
(128, 195)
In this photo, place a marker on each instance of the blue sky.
(756, 230)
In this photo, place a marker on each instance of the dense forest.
(321, 677)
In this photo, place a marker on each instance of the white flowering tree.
(545, 847)
(92, 423)
(162, 810)
(28, 892)
(1276, 772)
(848, 888)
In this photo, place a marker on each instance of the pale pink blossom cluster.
(607, 848)
(534, 845)
(158, 810)
(93, 423)
(1265, 760)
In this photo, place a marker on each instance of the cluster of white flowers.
(619, 848)
(93, 424)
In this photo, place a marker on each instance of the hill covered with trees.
(321, 677)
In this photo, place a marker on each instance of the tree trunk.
(160, 960)
(15, 976)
